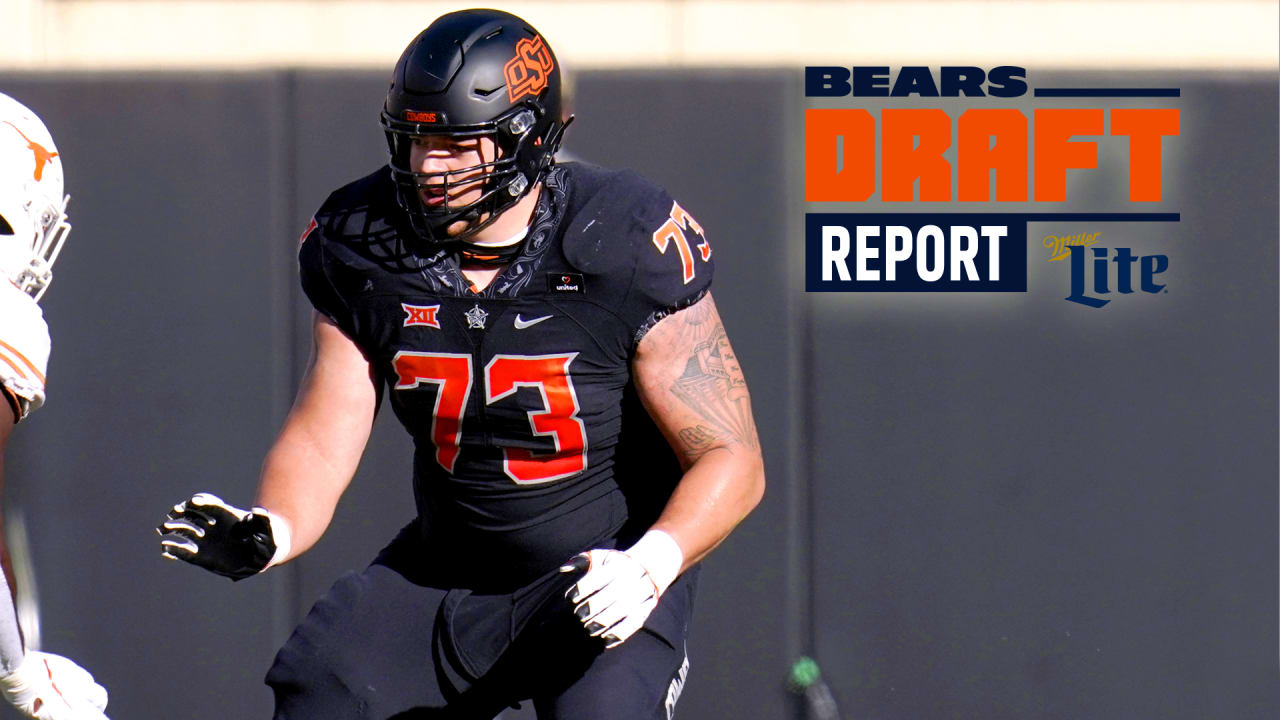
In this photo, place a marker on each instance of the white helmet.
(33, 210)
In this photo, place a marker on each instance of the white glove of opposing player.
(620, 589)
(50, 687)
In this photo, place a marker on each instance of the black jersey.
(530, 442)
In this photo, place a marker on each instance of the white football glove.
(620, 589)
(50, 687)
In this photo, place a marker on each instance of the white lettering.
(897, 244)
(835, 256)
(677, 685)
(864, 233)
(994, 233)
(964, 256)
(926, 273)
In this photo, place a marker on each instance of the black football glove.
(218, 537)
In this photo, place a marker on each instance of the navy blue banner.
(916, 252)
(1108, 92)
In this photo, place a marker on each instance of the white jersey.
(24, 347)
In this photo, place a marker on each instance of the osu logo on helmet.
(527, 72)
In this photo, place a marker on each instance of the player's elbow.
(753, 485)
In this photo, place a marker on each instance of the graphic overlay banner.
(948, 136)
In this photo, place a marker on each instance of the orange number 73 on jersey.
(673, 231)
(504, 374)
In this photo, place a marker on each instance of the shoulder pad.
(371, 191)
(24, 347)
(352, 218)
(608, 212)
(629, 233)
(674, 266)
(313, 271)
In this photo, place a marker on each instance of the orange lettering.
(1055, 152)
(824, 180)
(977, 157)
(841, 152)
(903, 160)
(1145, 127)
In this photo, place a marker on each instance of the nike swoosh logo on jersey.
(522, 324)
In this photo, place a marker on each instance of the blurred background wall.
(1004, 506)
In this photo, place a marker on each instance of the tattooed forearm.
(698, 438)
(712, 383)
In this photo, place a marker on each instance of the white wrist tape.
(281, 533)
(661, 557)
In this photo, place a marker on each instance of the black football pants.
(378, 647)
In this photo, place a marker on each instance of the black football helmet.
(474, 73)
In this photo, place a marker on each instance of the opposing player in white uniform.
(33, 224)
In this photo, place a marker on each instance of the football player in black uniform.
(583, 431)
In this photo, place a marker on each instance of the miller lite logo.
(420, 315)
(1113, 272)
(527, 72)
